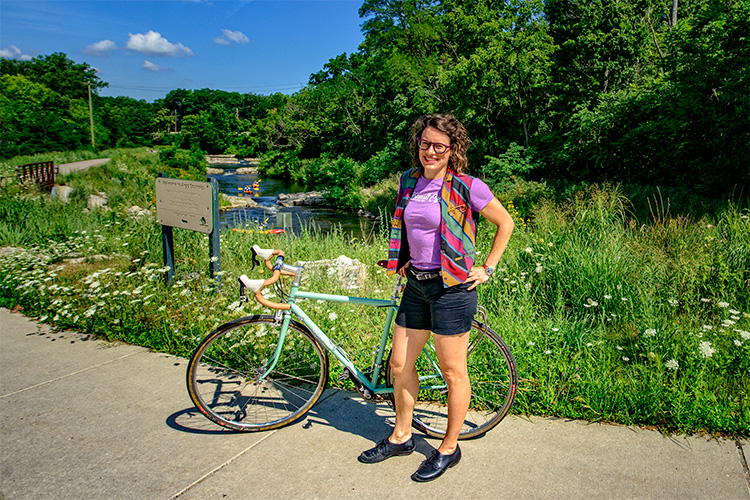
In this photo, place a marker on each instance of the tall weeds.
(610, 317)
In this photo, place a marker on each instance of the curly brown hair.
(449, 125)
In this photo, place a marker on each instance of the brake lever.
(243, 295)
(255, 259)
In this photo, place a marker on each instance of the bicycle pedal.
(343, 375)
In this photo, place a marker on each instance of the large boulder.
(309, 199)
(246, 171)
(350, 273)
(62, 193)
(238, 201)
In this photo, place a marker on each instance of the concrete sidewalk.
(76, 166)
(86, 419)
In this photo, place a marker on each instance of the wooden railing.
(42, 173)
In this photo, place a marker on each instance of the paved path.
(86, 419)
(67, 168)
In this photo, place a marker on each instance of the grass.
(611, 316)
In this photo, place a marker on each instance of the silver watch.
(489, 270)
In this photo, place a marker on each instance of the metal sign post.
(214, 242)
(190, 205)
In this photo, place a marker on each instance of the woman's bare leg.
(407, 344)
(451, 352)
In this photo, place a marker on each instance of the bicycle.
(263, 372)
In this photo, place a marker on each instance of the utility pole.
(91, 113)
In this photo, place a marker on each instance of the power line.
(258, 88)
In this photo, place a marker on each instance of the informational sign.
(184, 204)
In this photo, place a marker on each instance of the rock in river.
(309, 199)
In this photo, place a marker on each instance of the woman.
(432, 244)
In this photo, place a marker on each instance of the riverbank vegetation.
(611, 316)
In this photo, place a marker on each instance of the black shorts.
(428, 305)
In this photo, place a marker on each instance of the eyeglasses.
(437, 146)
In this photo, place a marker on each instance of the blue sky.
(145, 48)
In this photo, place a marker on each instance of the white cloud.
(153, 43)
(153, 67)
(232, 36)
(101, 48)
(13, 52)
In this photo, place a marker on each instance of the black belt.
(423, 275)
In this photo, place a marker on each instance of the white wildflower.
(737, 343)
(528, 250)
(333, 316)
(723, 304)
(672, 364)
(650, 332)
(706, 349)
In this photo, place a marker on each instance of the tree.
(57, 73)
(500, 82)
(35, 119)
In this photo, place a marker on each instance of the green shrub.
(336, 176)
(183, 163)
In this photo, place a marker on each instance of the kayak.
(259, 231)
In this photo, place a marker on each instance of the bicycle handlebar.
(256, 286)
(278, 268)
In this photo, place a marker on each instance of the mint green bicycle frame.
(371, 383)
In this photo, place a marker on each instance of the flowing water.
(324, 219)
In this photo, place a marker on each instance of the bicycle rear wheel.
(493, 377)
(229, 381)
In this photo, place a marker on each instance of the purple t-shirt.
(422, 219)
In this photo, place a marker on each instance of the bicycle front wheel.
(233, 381)
(493, 377)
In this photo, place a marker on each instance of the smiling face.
(435, 165)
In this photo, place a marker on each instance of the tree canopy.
(643, 91)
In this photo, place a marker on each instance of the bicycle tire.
(494, 381)
(223, 375)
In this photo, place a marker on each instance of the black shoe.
(436, 465)
(386, 449)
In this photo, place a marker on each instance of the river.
(324, 219)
